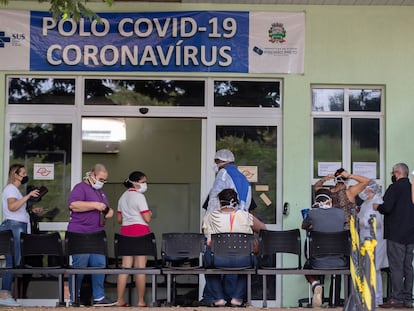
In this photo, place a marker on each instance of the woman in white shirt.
(134, 216)
(15, 218)
(228, 289)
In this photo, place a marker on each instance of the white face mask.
(98, 185)
(363, 196)
(143, 187)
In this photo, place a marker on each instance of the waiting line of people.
(227, 211)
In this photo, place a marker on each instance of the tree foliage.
(74, 9)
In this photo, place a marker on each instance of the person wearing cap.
(229, 177)
(343, 194)
(323, 218)
(398, 211)
(372, 195)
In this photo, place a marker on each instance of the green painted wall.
(344, 45)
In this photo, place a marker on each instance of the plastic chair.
(234, 245)
(7, 246)
(330, 244)
(277, 242)
(181, 254)
(39, 248)
(84, 243)
(144, 245)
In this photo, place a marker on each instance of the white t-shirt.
(219, 221)
(131, 205)
(11, 191)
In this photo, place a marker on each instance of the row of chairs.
(181, 253)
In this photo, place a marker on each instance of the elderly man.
(398, 211)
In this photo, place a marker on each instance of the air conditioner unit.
(102, 135)
(95, 146)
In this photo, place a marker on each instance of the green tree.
(75, 9)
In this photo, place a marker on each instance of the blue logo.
(3, 39)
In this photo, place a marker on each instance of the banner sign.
(193, 41)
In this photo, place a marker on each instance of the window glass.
(254, 146)
(327, 99)
(247, 94)
(45, 150)
(365, 141)
(327, 141)
(364, 100)
(144, 92)
(41, 91)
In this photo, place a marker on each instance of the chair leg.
(264, 291)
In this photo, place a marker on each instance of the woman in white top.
(134, 216)
(228, 289)
(15, 218)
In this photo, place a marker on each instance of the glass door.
(45, 149)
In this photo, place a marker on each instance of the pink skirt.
(135, 230)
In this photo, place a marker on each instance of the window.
(347, 130)
(41, 91)
(135, 92)
(247, 93)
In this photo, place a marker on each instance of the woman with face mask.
(89, 208)
(134, 215)
(372, 195)
(16, 218)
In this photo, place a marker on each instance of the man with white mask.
(89, 207)
(372, 195)
(347, 187)
(323, 217)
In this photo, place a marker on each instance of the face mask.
(98, 185)
(324, 205)
(25, 179)
(143, 187)
(393, 178)
(363, 196)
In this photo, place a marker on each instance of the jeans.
(226, 286)
(400, 258)
(89, 260)
(16, 227)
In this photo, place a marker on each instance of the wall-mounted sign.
(193, 41)
(43, 171)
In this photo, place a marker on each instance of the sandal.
(233, 304)
(124, 305)
(220, 303)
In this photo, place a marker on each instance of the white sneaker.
(317, 296)
(9, 302)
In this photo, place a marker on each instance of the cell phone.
(42, 191)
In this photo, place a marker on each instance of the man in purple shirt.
(88, 204)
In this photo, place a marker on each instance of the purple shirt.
(84, 222)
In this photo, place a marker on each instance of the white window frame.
(346, 115)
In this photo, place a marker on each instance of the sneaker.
(9, 302)
(317, 296)
(105, 302)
